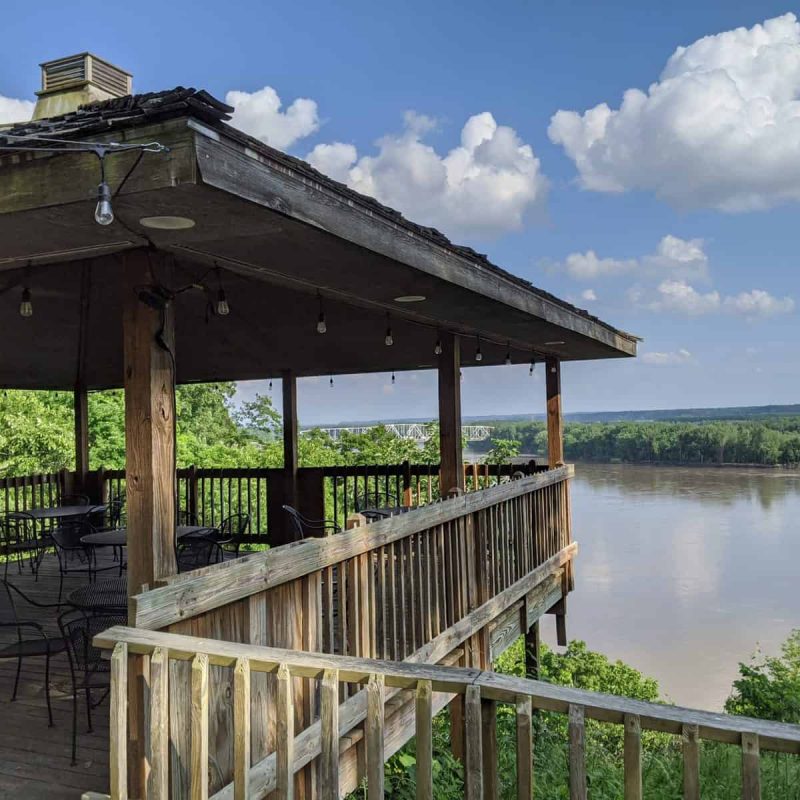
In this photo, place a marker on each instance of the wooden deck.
(34, 758)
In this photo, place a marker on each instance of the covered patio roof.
(286, 239)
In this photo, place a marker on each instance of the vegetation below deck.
(768, 687)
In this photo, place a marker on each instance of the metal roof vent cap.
(70, 82)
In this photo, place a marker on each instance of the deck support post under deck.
(290, 460)
(450, 455)
(555, 422)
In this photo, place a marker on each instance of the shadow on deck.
(34, 758)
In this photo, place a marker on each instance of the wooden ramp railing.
(427, 685)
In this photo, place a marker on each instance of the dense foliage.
(769, 441)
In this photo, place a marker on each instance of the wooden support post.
(289, 384)
(751, 767)
(491, 785)
(148, 336)
(555, 422)
(424, 731)
(473, 751)
(374, 735)
(524, 748)
(633, 757)
(691, 762)
(577, 754)
(284, 735)
(80, 399)
(450, 455)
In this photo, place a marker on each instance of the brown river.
(683, 572)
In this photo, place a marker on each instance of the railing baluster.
(751, 767)
(491, 787)
(577, 754)
(284, 734)
(199, 723)
(329, 736)
(424, 734)
(524, 748)
(473, 748)
(158, 780)
(118, 713)
(691, 762)
(374, 732)
(633, 757)
(241, 729)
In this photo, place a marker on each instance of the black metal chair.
(19, 646)
(187, 517)
(230, 534)
(73, 556)
(196, 551)
(73, 500)
(376, 499)
(19, 540)
(305, 528)
(90, 672)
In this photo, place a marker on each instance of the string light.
(533, 364)
(478, 354)
(392, 377)
(270, 385)
(322, 326)
(26, 305)
(388, 340)
(103, 212)
(437, 350)
(222, 308)
(508, 354)
(331, 382)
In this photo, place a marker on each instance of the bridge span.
(411, 431)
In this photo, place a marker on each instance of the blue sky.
(673, 216)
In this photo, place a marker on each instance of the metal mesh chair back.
(193, 552)
(73, 500)
(67, 540)
(375, 498)
(78, 629)
(233, 527)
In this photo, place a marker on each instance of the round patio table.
(111, 593)
(58, 512)
(118, 537)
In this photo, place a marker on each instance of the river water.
(683, 572)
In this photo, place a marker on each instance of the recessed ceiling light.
(410, 298)
(167, 223)
(553, 344)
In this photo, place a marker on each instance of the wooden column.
(149, 341)
(452, 464)
(289, 383)
(555, 422)
(81, 406)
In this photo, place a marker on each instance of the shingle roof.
(102, 118)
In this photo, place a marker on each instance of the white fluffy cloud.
(260, 114)
(674, 257)
(589, 295)
(667, 359)
(720, 127)
(12, 110)
(680, 297)
(758, 303)
(487, 184)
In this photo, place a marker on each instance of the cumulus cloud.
(667, 359)
(589, 295)
(12, 110)
(260, 114)
(488, 184)
(680, 297)
(675, 257)
(758, 303)
(719, 128)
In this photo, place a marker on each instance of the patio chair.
(194, 552)
(187, 517)
(90, 672)
(112, 517)
(28, 639)
(73, 500)
(73, 556)
(19, 540)
(375, 499)
(305, 528)
(230, 534)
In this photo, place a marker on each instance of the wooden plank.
(424, 734)
(256, 633)
(158, 781)
(149, 432)
(633, 757)
(284, 764)
(180, 707)
(329, 736)
(118, 715)
(555, 421)
(751, 767)
(199, 720)
(691, 761)
(241, 729)
(491, 784)
(577, 754)
(473, 747)
(524, 720)
(190, 594)
(374, 735)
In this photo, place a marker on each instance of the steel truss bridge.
(411, 431)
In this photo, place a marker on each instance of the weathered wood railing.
(30, 491)
(425, 687)
(456, 581)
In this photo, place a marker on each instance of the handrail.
(187, 594)
(479, 688)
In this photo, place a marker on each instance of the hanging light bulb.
(388, 340)
(221, 307)
(508, 355)
(26, 306)
(331, 382)
(478, 354)
(103, 212)
(393, 377)
(437, 350)
(322, 326)
(270, 385)
(533, 364)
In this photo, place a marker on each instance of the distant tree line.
(773, 441)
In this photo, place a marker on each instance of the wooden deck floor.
(34, 758)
